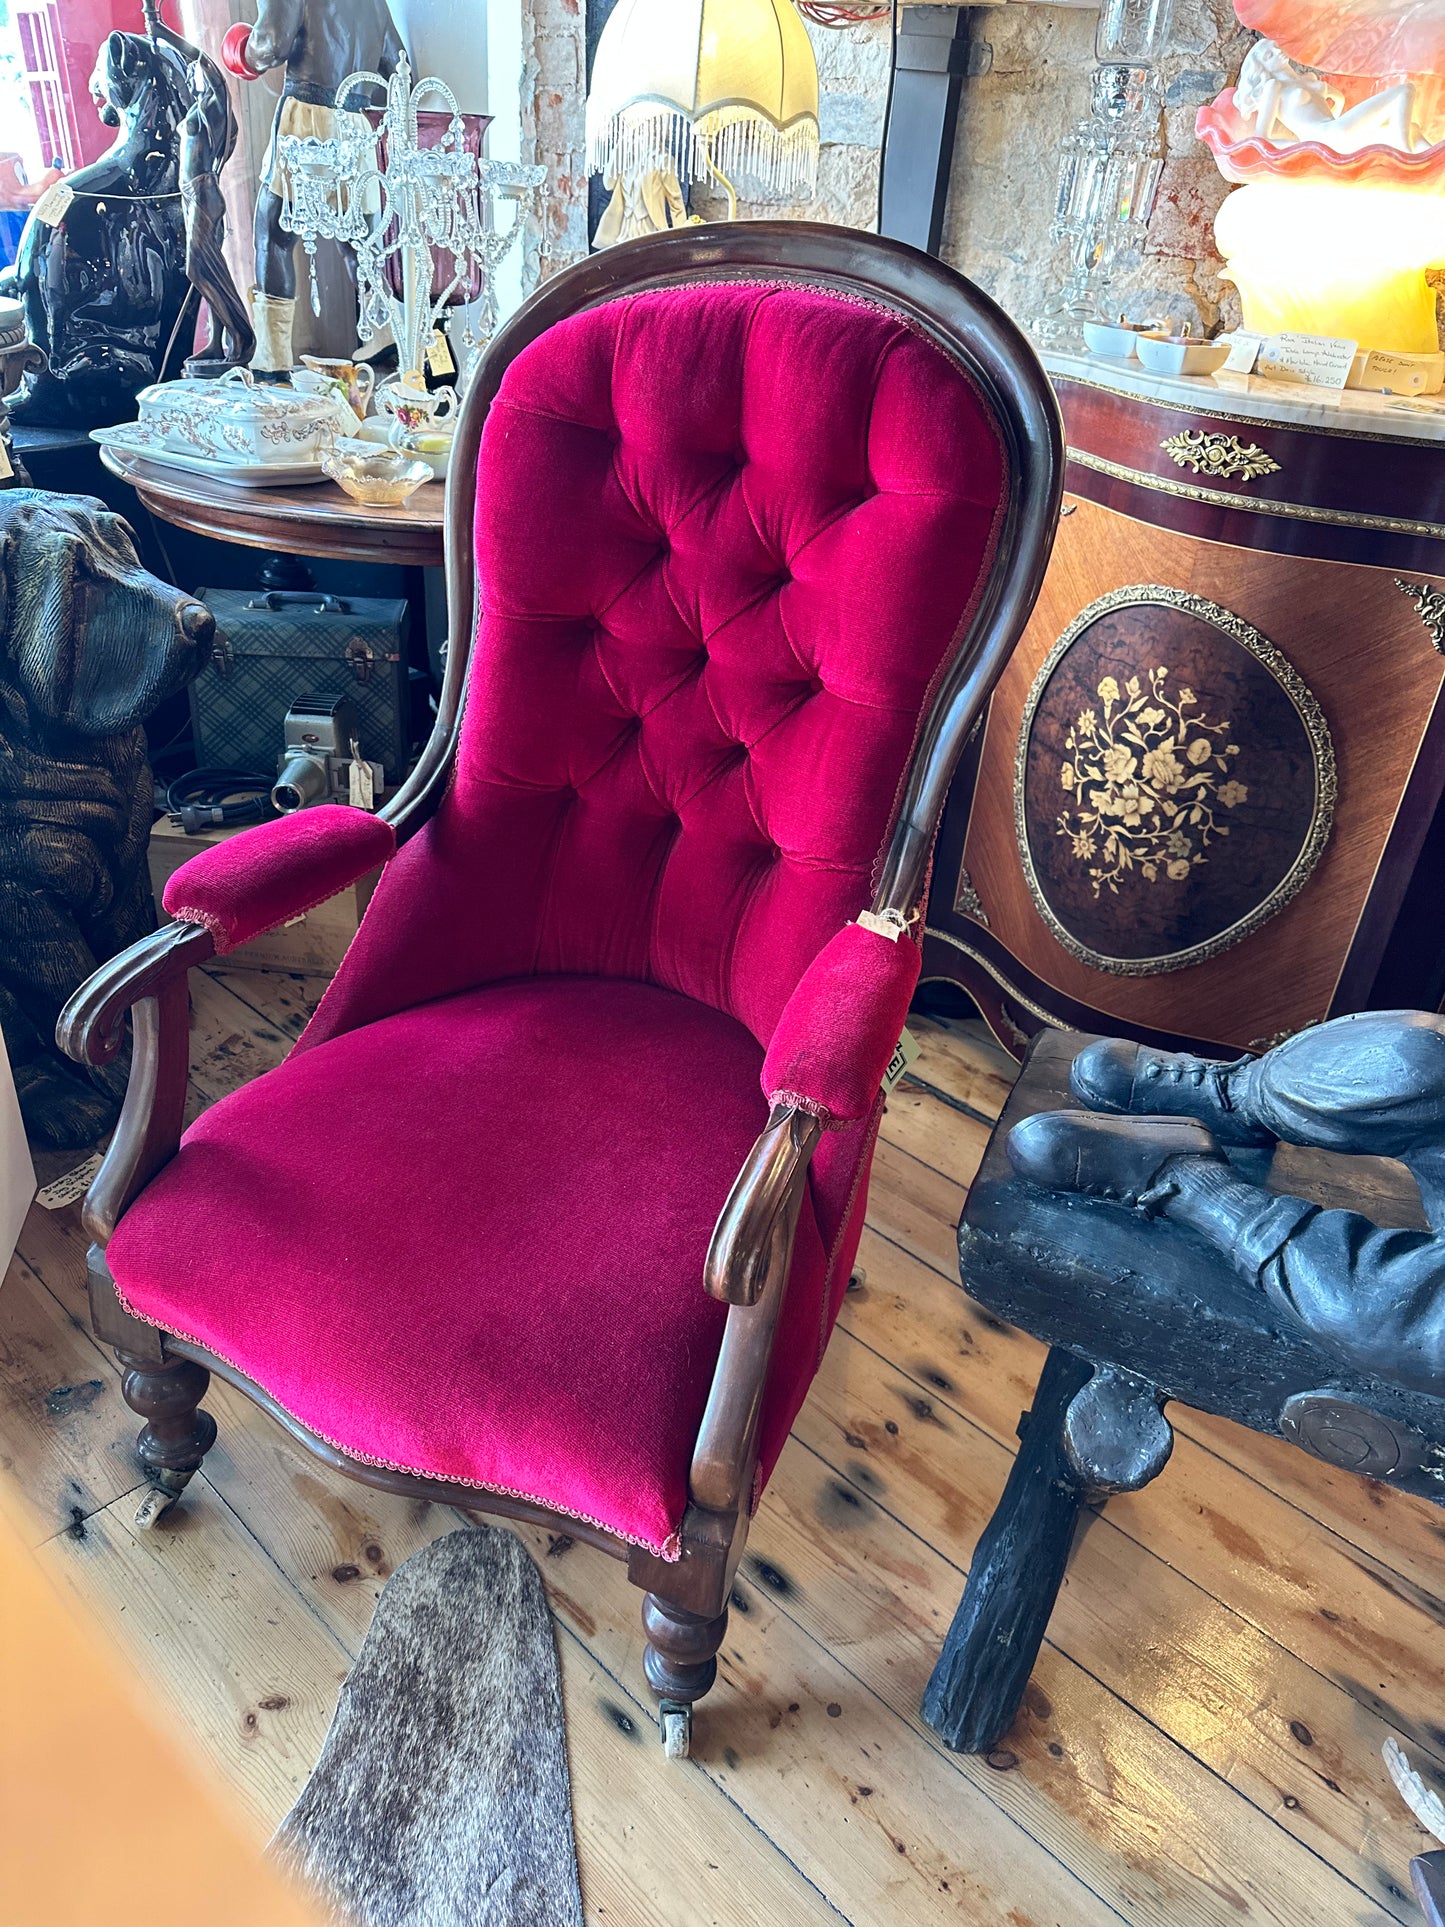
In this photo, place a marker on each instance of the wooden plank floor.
(1201, 1741)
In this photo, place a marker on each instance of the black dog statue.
(89, 644)
(104, 283)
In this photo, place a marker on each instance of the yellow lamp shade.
(707, 86)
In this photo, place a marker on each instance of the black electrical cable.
(205, 799)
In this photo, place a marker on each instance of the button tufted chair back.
(731, 537)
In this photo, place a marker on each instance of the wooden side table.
(315, 519)
(1202, 806)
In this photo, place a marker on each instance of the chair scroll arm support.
(149, 981)
(748, 1266)
(769, 1186)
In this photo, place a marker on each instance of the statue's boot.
(1113, 1075)
(1123, 1159)
(274, 319)
(1372, 1085)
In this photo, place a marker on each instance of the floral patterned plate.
(138, 440)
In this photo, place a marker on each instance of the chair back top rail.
(953, 313)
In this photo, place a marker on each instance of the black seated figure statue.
(1226, 1234)
(89, 644)
(104, 284)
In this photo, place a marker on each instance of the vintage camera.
(322, 760)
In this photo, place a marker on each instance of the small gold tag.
(439, 356)
(907, 1054)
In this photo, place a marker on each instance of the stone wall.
(554, 99)
(1028, 83)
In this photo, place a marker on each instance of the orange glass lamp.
(1335, 136)
(701, 89)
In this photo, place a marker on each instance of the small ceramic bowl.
(375, 477)
(1117, 338)
(1181, 354)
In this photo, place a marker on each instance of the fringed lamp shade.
(692, 88)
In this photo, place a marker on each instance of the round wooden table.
(314, 519)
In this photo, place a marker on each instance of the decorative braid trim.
(796, 1101)
(670, 1551)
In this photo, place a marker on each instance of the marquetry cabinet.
(1205, 804)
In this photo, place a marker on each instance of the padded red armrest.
(276, 871)
(841, 1026)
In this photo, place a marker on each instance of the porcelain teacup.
(356, 379)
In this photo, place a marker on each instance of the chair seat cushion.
(467, 1241)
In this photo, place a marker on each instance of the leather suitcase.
(293, 643)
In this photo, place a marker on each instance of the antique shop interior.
(722, 834)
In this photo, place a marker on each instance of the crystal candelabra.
(420, 216)
(1109, 163)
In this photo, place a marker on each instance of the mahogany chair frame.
(685, 1608)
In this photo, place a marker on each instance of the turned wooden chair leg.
(1089, 1433)
(680, 1663)
(177, 1433)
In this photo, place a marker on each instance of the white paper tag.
(1397, 374)
(1243, 352)
(74, 1184)
(6, 470)
(439, 356)
(361, 784)
(54, 203)
(908, 1053)
(890, 924)
(1324, 361)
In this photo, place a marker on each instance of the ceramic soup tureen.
(235, 420)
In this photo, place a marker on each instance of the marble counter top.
(1254, 398)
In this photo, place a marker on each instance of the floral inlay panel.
(1150, 776)
(1175, 782)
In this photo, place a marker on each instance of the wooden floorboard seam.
(649, 1717)
(1112, 1692)
(916, 1083)
(935, 1746)
(1380, 1708)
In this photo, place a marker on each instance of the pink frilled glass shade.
(1360, 47)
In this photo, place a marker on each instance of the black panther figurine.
(104, 284)
(89, 644)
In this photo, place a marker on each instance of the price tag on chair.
(907, 1054)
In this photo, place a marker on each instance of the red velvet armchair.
(551, 1209)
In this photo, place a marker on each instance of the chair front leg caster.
(681, 1664)
(177, 1433)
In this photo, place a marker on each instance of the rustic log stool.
(1137, 1311)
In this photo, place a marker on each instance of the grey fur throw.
(441, 1798)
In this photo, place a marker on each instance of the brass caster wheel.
(676, 1729)
(156, 1501)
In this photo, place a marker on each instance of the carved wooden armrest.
(148, 981)
(747, 1268)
